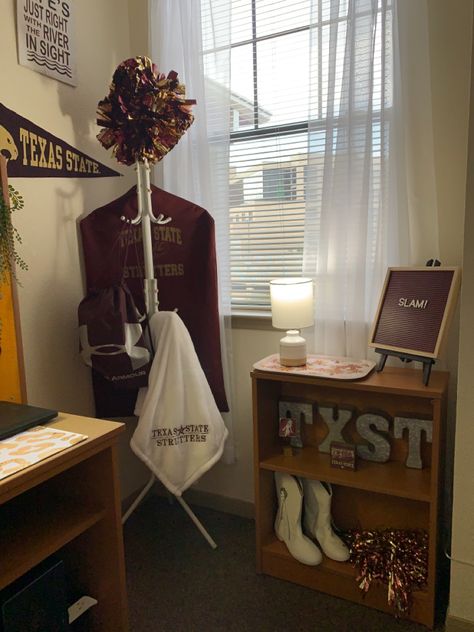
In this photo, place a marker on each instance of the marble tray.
(332, 367)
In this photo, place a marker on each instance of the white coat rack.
(146, 217)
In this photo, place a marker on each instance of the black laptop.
(15, 418)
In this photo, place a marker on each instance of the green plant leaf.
(9, 236)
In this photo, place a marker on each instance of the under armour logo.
(139, 356)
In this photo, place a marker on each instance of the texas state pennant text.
(32, 152)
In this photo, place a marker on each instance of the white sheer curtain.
(198, 167)
(364, 210)
(370, 188)
(413, 142)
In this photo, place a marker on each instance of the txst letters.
(296, 412)
(335, 426)
(381, 447)
(374, 428)
(415, 427)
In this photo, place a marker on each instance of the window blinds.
(282, 57)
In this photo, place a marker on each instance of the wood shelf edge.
(45, 469)
(26, 549)
(339, 582)
(344, 569)
(396, 381)
(370, 481)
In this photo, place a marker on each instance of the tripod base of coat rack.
(181, 501)
(152, 480)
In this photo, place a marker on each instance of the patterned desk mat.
(27, 448)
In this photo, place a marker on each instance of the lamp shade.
(292, 303)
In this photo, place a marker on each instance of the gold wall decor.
(12, 374)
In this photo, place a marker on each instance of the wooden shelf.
(375, 496)
(69, 505)
(391, 478)
(342, 569)
(336, 578)
(278, 549)
(24, 544)
(392, 380)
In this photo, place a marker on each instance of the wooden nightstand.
(375, 496)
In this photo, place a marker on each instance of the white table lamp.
(292, 309)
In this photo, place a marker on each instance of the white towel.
(180, 433)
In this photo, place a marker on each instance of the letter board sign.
(414, 310)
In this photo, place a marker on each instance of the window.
(236, 192)
(279, 184)
(274, 87)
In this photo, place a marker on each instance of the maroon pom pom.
(145, 113)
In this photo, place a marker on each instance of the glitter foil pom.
(145, 113)
(395, 557)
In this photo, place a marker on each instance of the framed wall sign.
(414, 310)
(46, 38)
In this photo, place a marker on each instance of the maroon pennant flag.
(32, 152)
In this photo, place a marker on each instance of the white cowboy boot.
(288, 520)
(317, 519)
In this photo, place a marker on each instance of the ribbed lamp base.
(293, 349)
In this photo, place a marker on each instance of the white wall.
(52, 287)
(138, 24)
(450, 26)
(451, 46)
(236, 481)
(462, 575)
(450, 57)
(462, 568)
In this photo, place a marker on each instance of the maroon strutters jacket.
(185, 269)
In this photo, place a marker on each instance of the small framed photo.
(343, 455)
(287, 427)
(414, 310)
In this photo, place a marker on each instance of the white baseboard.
(454, 624)
(233, 506)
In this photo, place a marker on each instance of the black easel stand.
(406, 357)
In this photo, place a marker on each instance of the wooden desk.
(69, 504)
